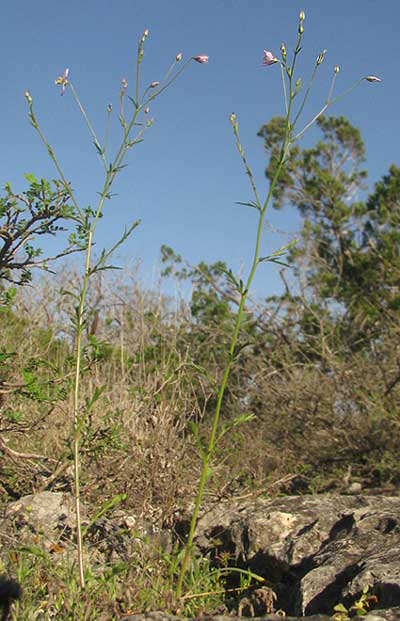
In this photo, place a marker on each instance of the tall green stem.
(80, 322)
(76, 408)
(111, 171)
(231, 354)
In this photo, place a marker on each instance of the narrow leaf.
(133, 101)
(249, 204)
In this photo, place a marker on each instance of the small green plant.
(292, 89)
(360, 607)
(134, 123)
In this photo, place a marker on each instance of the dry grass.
(315, 417)
(323, 421)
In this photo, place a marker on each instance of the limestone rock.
(49, 515)
(314, 551)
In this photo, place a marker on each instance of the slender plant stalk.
(89, 226)
(239, 315)
(290, 91)
(76, 408)
(221, 391)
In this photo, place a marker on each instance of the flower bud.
(232, 118)
(373, 78)
(302, 16)
(145, 35)
(28, 97)
(154, 84)
(336, 69)
(269, 58)
(62, 80)
(321, 57)
(147, 110)
(201, 58)
(301, 28)
(109, 108)
(124, 84)
(283, 51)
(178, 57)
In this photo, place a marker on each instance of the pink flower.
(62, 80)
(269, 58)
(373, 78)
(201, 58)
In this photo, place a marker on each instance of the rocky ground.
(312, 551)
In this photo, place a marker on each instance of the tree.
(348, 254)
(42, 209)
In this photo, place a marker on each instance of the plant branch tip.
(321, 57)
(269, 58)
(62, 80)
(373, 78)
(201, 58)
(144, 35)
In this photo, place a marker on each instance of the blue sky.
(184, 180)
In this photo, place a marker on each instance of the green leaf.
(10, 295)
(30, 177)
(109, 504)
(105, 254)
(99, 150)
(245, 572)
(122, 121)
(5, 355)
(133, 101)
(274, 256)
(278, 262)
(71, 294)
(250, 204)
(98, 391)
(238, 420)
(135, 141)
(340, 608)
(209, 472)
(36, 550)
(200, 442)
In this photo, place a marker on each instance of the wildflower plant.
(360, 607)
(134, 119)
(295, 99)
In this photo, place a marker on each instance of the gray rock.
(47, 519)
(314, 551)
(48, 514)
